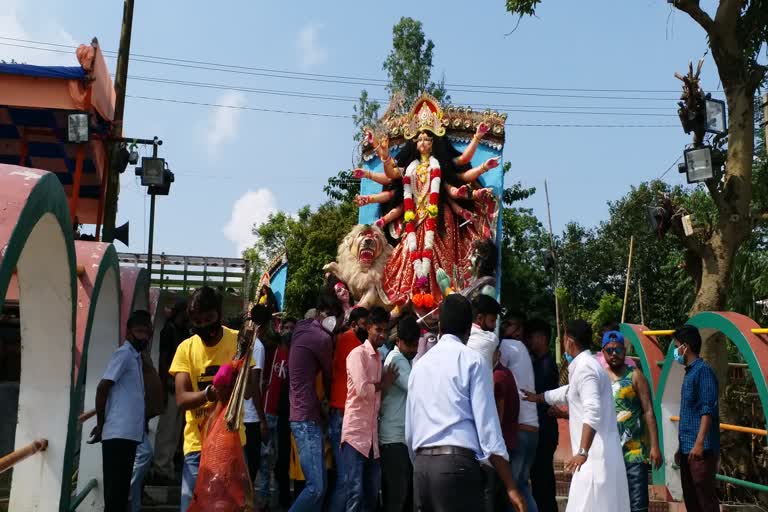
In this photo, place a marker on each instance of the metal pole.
(112, 177)
(151, 225)
(554, 259)
(626, 285)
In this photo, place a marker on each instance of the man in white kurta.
(601, 482)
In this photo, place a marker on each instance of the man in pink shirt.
(359, 430)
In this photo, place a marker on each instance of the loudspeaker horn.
(121, 233)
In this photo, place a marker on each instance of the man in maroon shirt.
(276, 379)
(311, 352)
(508, 404)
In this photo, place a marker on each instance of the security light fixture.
(152, 171)
(716, 119)
(698, 164)
(77, 127)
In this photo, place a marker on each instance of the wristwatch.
(582, 452)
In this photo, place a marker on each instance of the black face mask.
(362, 334)
(207, 332)
(140, 344)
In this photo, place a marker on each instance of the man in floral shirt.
(635, 417)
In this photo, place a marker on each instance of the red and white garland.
(421, 260)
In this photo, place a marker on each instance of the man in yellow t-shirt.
(194, 366)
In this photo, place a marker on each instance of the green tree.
(735, 35)
(365, 114)
(409, 63)
(310, 240)
(525, 283)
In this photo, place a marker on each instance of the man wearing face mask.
(194, 366)
(599, 477)
(345, 343)
(396, 467)
(311, 353)
(120, 412)
(698, 433)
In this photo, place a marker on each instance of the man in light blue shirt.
(396, 467)
(120, 412)
(451, 420)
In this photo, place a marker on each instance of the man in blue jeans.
(311, 352)
(194, 366)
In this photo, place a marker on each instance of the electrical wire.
(351, 80)
(343, 116)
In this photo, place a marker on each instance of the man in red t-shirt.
(274, 385)
(347, 341)
(508, 404)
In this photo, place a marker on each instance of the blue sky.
(233, 167)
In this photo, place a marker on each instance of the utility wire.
(349, 80)
(208, 85)
(342, 116)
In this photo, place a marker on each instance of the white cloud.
(222, 125)
(311, 53)
(253, 207)
(37, 28)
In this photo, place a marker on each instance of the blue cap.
(612, 336)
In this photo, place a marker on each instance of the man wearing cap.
(635, 418)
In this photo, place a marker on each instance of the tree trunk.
(734, 222)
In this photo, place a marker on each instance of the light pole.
(157, 177)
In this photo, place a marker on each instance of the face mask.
(140, 344)
(329, 324)
(680, 358)
(568, 357)
(207, 332)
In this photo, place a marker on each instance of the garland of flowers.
(421, 260)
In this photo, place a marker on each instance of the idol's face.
(424, 143)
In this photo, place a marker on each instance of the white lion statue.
(360, 261)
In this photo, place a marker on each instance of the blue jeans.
(521, 459)
(189, 478)
(268, 456)
(362, 480)
(637, 478)
(338, 497)
(141, 465)
(309, 442)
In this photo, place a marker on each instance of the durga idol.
(432, 191)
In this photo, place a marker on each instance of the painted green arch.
(724, 323)
(738, 329)
(109, 262)
(47, 197)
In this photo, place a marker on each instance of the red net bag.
(223, 483)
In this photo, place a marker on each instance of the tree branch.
(691, 243)
(692, 8)
(728, 13)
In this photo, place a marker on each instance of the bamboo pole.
(86, 416)
(734, 428)
(555, 280)
(233, 415)
(16, 456)
(626, 285)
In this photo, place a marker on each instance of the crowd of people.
(352, 410)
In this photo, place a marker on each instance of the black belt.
(446, 450)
